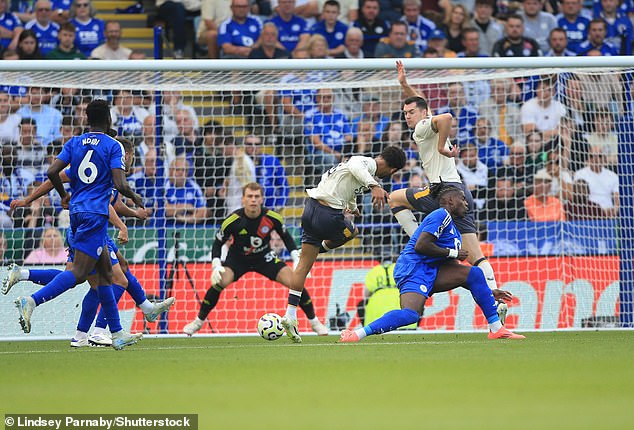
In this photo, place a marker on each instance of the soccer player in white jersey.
(325, 220)
(437, 157)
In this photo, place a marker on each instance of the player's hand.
(138, 201)
(141, 213)
(353, 213)
(19, 203)
(462, 254)
(65, 201)
(122, 237)
(401, 76)
(216, 273)
(379, 197)
(501, 295)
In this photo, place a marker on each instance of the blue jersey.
(619, 34)
(62, 5)
(331, 128)
(245, 34)
(46, 36)
(467, 118)
(271, 175)
(10, 21)
(88, 35)
(441, 225)
(493, 153)
(606, 48)
(627, 6)
(419, 31)
(92, 156)
(576, 31)
(290, 31)
(335, 38)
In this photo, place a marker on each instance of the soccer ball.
(270, 326)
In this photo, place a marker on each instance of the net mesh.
(539, 151)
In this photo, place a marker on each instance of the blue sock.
(62, 282)
(101, 318)
(43, 276)
(391, 321)
(109, 306)
(88, 310)
(477, 284)
(135, 289)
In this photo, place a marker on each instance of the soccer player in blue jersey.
(97, 164)
(428, 265)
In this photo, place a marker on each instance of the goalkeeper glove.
(217, 271)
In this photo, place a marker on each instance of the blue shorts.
(415, 278)
(87, 233)
(321, 222)
(112, 248)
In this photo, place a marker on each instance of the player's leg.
(16, 274)
(307, 259)
(100, 335)
(402, 203)
(283, 276)
(233, 271)
(89, 306)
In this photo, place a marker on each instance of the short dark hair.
(398, 23)
(127, 144)
(515, 16)
(68, 26)
(29, 121)
(420, 102)
(598, 21)
(253, 186)
(98, 113)
(394, 157)
(332, 3)
(485, 2)
(445, 191)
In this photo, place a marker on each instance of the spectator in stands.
(396, 45)
(515, 44)
(506, 203)
(353, 44)
(558, 43)
(471, 43)
(50, 251)
(537, 23)
(536, 155)
(147, 183)
(348, 11)
(466, 114)
(185, 203)
(268, 49)
(370, 125)
(112, 48)
(90, 30)
(502, 112)
(242, 172)
(474, 173)
(603, 183)
(172, 103)
(489, 29)
(604, 136)
(13, 183)
(293, 31)
(269, 173)
(619, 31)
(61, 11)
(295, 103)
(419, 27)
(541, 206)
(239, 35)
(40, 213)
(561, 179)
(476, 92)
(456, 20)
(47, 118)
(542, 112)
(10, 27)
(9, 122)
(372, 26)
(28, 47)
(127, 117)
(516, 166)
(328, 131)
(212, 14)
(331, 28)
(574, 23)
(30, 154)
(188, 142)
(581, 207)
(597, 32)
(317, 47)
(44, 28)
(174, 13)
(3, 249)
(491, 151)
(438, 42)
(66, 49)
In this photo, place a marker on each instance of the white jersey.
(340, 185)
(435, 164)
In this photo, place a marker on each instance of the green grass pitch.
(562, 380)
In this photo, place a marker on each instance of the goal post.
(546, 144)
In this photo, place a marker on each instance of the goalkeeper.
(251, 227)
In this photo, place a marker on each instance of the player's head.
(98, 115)
(414, 109)
(391, 160)
(453, 199)
(252, 198)
(128, 152)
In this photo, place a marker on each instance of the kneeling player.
(251, 228)
(428, 265)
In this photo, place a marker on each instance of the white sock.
(407, 220)
(291, 312)
(494, 327)
(488, 274)
(199, 321)
(314, 320)
(24, 274)
(361, 333)
(79, 335)
(146, 306)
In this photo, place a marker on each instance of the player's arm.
(426, 245)
(359, 169)
(402, 79)
(441, 124)
(43, 189)
(53, 174)
(125, 210)
(119, 224)
(120, 183)
(223, 235)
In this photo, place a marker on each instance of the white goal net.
(545, 152)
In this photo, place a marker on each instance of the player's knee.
(475, 277)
